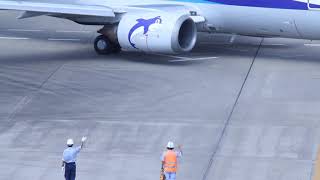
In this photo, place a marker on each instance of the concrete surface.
(242, 111)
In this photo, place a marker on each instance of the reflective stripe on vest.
(170, 161)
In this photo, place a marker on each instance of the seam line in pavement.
(27, 99)
(211, 161)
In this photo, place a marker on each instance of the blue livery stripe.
(278, 4)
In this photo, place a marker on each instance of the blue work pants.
(70, 171)
(170, 175)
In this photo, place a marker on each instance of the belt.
(70, 163)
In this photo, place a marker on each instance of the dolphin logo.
(146, 23)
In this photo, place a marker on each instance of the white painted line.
(25, 30)
(53, 39)
(184, 59)
(237, 49)
(293, 56)
(312, 45)
(244, 50)
(233, 38)
(274, 44)
(65, 31)
(193, 59)
(171, 56)
(14, 38)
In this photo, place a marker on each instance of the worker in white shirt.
(69, 158)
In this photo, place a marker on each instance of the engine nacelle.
(157, 32)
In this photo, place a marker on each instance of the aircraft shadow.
(219, 50)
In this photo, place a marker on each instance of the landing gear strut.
(107, 42)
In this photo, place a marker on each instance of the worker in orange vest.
(169, 160)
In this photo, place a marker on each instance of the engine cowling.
(157, 32)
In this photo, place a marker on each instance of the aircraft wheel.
(102, 45)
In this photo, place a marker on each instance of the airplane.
(171, 26)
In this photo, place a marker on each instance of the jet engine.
(157, 32)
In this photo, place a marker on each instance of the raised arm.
(83, 140)
(180, 150)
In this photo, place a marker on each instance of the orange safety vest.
(170, 161)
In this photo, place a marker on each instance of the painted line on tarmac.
(273, 44)
(25, 30)
(182, 58)
(14, 38)
(237, 49)
(54, 39)
(66, 31)
(232, 38)
(194, 59)
(312, 45)
(170, 56)
(292, 56)
(158, 123)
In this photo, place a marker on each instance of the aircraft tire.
(103, 45)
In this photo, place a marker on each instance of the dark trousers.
(70, 171)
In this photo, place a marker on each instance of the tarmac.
(243, 110)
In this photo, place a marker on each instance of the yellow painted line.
(316, 170)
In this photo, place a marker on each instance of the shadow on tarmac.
(237, 50)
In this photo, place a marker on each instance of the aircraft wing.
(37, 8)
(177, 8)
(86, 13)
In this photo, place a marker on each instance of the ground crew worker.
(69, 159)
(169, 160)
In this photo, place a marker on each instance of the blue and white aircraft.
(171, 26)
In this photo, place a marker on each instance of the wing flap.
(50, 8)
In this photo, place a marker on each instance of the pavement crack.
(27, 99)
(227, 122)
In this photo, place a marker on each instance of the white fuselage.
(252, 21)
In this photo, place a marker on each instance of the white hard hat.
(170, 145)
(70, 142)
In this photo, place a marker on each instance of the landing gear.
(107, 42)
(116, 48)
(103, 45)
